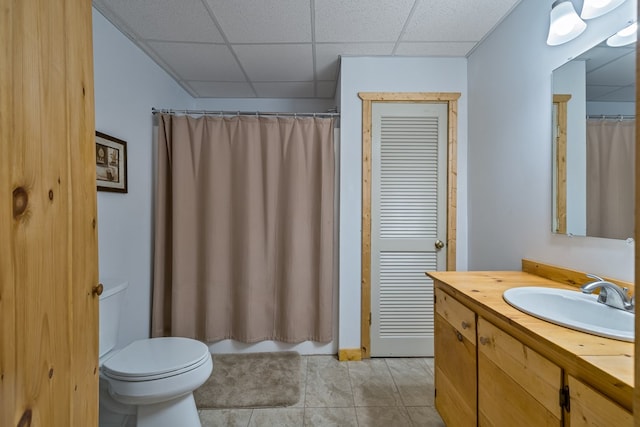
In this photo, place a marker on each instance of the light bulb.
(625, 36)
(594, 8)
(565, 23)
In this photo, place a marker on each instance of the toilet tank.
(111, 302)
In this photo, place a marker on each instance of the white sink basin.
(574, 310)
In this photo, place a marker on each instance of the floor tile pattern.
(375, 392)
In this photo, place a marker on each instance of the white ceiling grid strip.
(280, 48)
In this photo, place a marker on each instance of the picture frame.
(111, 163)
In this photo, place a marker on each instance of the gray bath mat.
(251, 380)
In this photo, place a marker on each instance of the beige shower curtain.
(610, 178)
(244, 228)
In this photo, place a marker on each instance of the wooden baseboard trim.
(350, 355)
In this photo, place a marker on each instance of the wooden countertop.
(605, 364)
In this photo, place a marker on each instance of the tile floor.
(393, 392)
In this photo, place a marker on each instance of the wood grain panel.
(365, 303)
(537, 376)
(349, 354)
(455, 376)
(409, 96)
(590, 408)
(567, 276)
(48, 254)
(457, 315)
(561, 101)
(502, 402)
(452, 187)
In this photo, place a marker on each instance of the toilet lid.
(156, 358)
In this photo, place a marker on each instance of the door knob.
(97, 290)
(439, 244)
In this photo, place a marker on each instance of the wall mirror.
(594, 143)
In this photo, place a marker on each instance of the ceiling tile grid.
(291, 48)
(273, 21)
(610, 73)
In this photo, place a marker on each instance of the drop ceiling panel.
(611, 93)
(276, 63)
(602, 54)
(200, 61)
(273, 21)
(615, 71)
(290, 90)
(455, 20)
(326, 89)
(327, 55)
(360, 20)
(204, 44)
(222, 89)
(624, 94)
(434, 48)
(184, 20)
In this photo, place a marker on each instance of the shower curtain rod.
(611, 116)
(241, 113)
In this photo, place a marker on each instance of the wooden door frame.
(561, 101)
(368, 98)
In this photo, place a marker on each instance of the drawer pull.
(465, 325)
(459, 336)
(484, 341)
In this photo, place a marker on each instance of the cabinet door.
(455, 361)
(515, 384)
(591, 408)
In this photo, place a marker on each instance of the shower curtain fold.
(610, 178)
(244, 229)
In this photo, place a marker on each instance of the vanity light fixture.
(625, 36)
(594, 8)
(565, 25)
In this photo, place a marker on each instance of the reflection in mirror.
(594, 143)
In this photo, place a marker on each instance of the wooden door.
(409, 225)
(48, 238)
(515, 384)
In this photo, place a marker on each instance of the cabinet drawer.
(460, 317)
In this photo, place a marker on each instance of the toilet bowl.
(151, 379)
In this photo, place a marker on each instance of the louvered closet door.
(408, 217)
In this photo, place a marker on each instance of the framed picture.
(111, 163)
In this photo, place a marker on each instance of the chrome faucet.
(610, 293)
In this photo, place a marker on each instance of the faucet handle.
(593, 276)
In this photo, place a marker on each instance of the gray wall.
(510, 147)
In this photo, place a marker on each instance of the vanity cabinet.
(589, 408)
(495, 366)
(514, 382)
(455, 356)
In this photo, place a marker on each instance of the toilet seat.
(156, 358)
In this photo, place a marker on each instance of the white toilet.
(151, 380)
